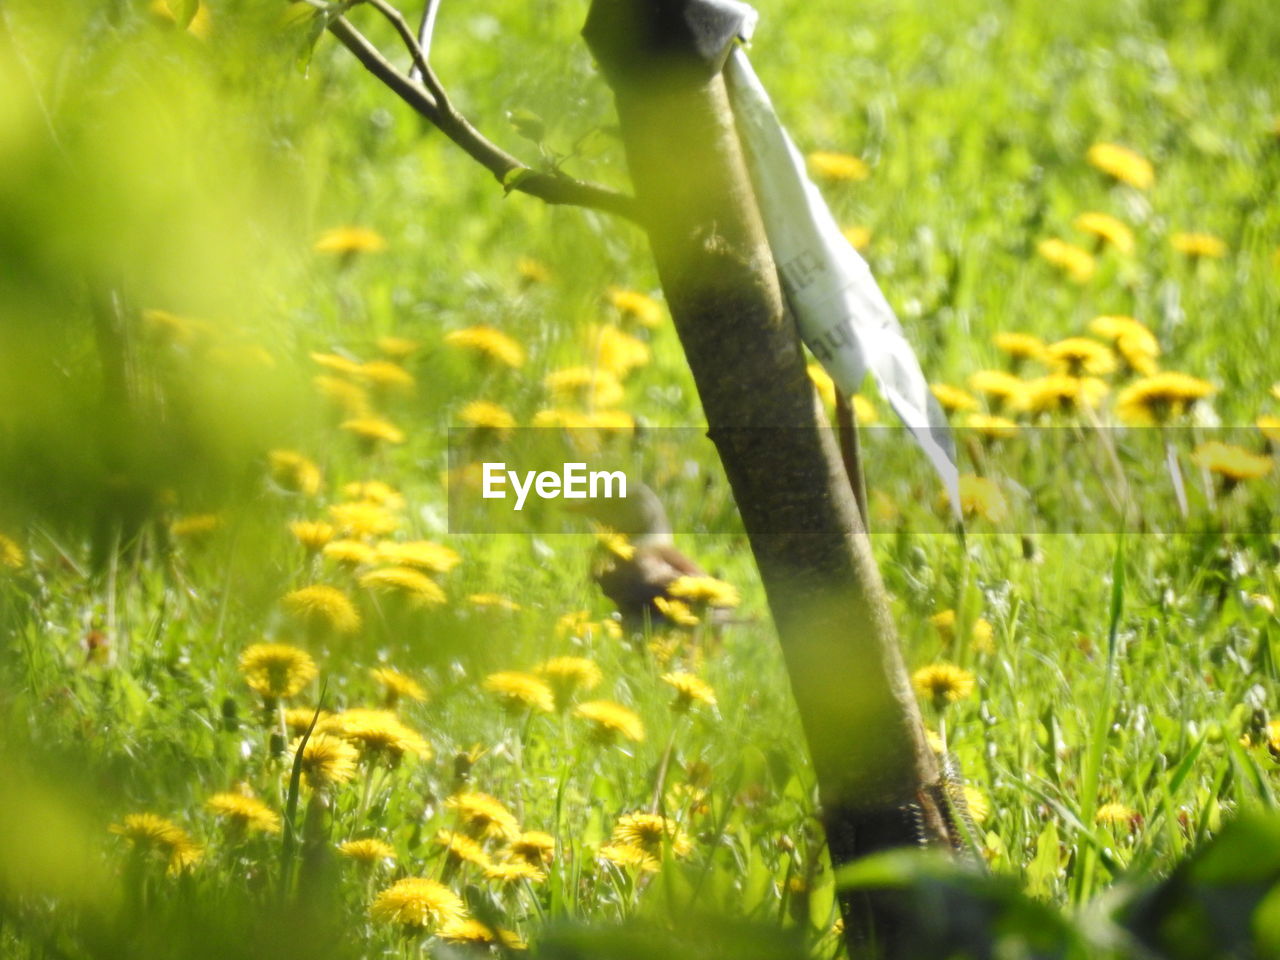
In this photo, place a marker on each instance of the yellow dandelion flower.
(981, 497)
(864, 411)
(419, 554)
(589, 386)
(1123, 164)
(1231, 462)
(195, 526)
(364, 519)
(483, 816)
(1020, 346)
(633, 305)
(579, 624)
(1199, 245)
(983, 637)
(1273, 738)
(704, 592)
(1161, 398)
(350, 240)
(294, 472)
(379, 734)
(535, 847)
(995, 428)
(609, 719)
(830, 165)
(11, 554)
(1117, 814)
(690, 690)
(943, 683)
(311, 535)
(327, 760)
(368, 852)
(398, 348)
(576, 623)
(371, 431)
(298, 719)
(322, 607)
(1270, 427)
(628, 856)
(414, 588)
(1275, 390)
(944, 621)
(978, 805)
(350, 553)
(488, 344)
(375, 492)
(859, 237)
(396, 685)
(953, 399)
(1003, 390)
(520, 691)
(483, 415)
(337, 363)
(244, 813)
(1113, 327)
(513, 871)
(350, 398)
(677, 611)
(567, 675)
(150, 832)
(558, 417)
(1062, 394)
(473, 931)
(418, 903)
(617, 352)
(823, 383)
(1136, 355)
(1077, 356)
(616, 420)
(462, 849)
(384, 376)
(616, 544)
(651, 833)
(492, 601)
(532, 271)
(277, 671)
(934, 741)
(1107, 229)
(1075, 262)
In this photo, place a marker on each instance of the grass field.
(290, 270)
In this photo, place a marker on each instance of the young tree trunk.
(878, 779)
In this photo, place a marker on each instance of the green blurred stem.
(660, 781)
(1175, 474)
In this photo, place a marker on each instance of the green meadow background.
(1123, 689)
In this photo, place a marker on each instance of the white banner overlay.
(843, 317)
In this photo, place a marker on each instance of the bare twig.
(429, 99)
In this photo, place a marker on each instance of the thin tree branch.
(425, 32)
(430, 100)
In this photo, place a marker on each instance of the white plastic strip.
(843, 317)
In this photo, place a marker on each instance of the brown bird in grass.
(637, 563)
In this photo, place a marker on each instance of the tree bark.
(877, 777)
